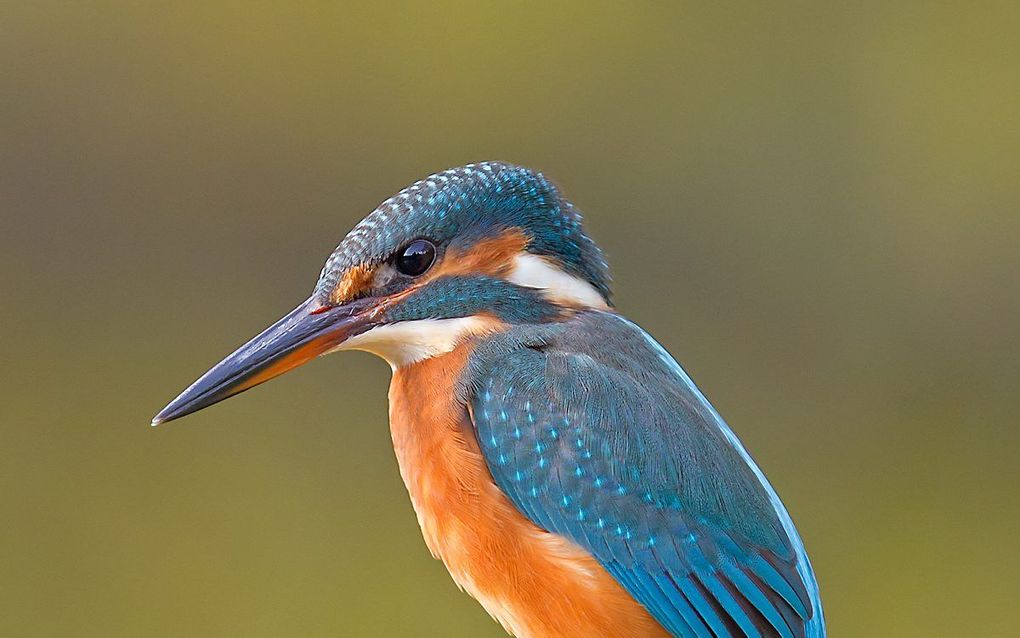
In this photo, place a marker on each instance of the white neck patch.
(532, 271)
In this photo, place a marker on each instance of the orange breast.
(536, 584)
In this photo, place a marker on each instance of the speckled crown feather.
(465, 204)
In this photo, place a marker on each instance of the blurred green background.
(814, 207)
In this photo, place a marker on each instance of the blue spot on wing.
(586, 451)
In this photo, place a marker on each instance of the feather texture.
(537, 584)
(596, 434)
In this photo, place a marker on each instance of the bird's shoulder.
(595, 433)
(628, 400)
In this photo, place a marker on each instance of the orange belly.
(535, 583)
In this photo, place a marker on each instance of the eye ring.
(416, 258)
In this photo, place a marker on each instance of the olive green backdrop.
(814, 207)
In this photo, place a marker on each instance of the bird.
(562, 465)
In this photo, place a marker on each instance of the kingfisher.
(561, 464)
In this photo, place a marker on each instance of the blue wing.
(595, 433)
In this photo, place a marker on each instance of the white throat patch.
(406, 342)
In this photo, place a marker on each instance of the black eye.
(416, 258)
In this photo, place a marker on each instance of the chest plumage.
(535, 583)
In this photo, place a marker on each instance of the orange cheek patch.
(355, 281)
(493, 257)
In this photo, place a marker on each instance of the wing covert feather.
(608, 446)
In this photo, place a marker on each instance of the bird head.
(461, 253)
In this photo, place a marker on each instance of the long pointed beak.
(303, 334)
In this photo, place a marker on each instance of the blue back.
(595, 433)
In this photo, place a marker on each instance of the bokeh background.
(814, 206)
